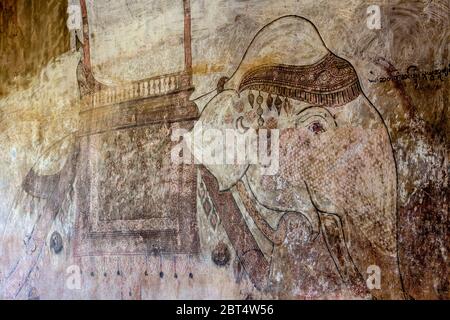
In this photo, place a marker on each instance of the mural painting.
(239, 150)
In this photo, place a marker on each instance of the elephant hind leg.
(333, 234)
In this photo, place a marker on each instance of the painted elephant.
(334, 157)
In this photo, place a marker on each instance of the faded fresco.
(220, 149)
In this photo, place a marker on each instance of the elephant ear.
(212, 141)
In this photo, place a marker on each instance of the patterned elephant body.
(335, 161)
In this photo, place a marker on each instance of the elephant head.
(335, 160)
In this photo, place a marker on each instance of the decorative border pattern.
(332, 81)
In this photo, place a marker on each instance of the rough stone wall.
(134, 225)
(31, 34)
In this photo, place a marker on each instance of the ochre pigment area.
(31, 34)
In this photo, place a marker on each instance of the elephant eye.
(316, 127)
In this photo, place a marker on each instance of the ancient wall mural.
(224, 149)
